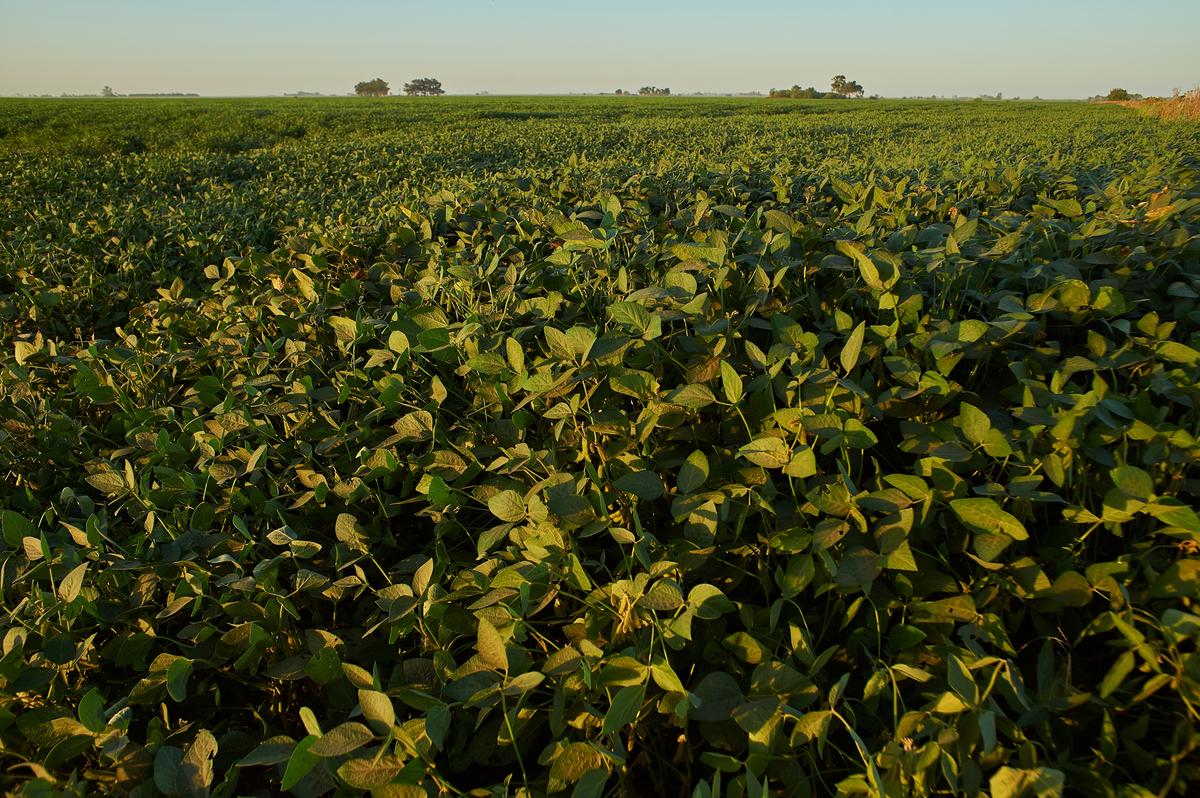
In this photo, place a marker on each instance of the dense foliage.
(604, 447)
(424, 87)
(372, 88)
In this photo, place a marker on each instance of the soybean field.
(697, 447)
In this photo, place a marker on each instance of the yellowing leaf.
(984, 516)
(507, 505)
(853, 346)
(72, 583)
(341, 740)
(767, 452)
(377, 709)
(491, 646)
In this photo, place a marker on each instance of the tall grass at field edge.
(1184, 106)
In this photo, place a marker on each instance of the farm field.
(598, 447)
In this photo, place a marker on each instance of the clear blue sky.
(1051, 48)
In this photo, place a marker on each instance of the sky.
(1026, 48)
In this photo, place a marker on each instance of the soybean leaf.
(984, 516)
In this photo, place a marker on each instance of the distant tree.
(653, 91)
(372, 88)
(107, 92)
(1117, 94)
(619, 91)
(424, 87)
(846, 88)
(797, 93)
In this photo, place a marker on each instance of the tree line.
(418, 87)
(840, 87)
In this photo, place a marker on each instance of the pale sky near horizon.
(1048, 48)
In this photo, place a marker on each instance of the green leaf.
(491, 646)
(961, 681)
(415, 426)
(398, 342)
(167, 760)
(714, 255)
(369, 774)
(987, 730)
(904, 636)
(72, 583)
(557, 344)
(900, 558)
(630, 314)
(272, 751)
(631, 382)
(624, 708)
(341, 740)
(913, 487)
(22, 351)
(664, 596)
(666, 678)
(91, 711)
(300, 763)
(853, 347)
(488, 364)
(581, 340)
(1181, 578)
(967, 332)
(1178, 353)
(1039, 782)
(731, 383)
(974, 422)
(514, 354)
(1067, 207)
(814, 726)
(437, 724)
(591, 785)
(989, 546)
(15, 526)
(746, 648)
(798, 575)
(573, 761)
(507, 505)
(108, 482)
(377, 709)
(309, 719)
(693, 396)
(859, 568)
(1121, 668)
(646, 485)
(693, 473)
(178, 673)
(803, 463)
(1173, 513)
(866, 267)
(755, 715)
(709, 602)
(1006, 244)
(346, 330)
(719, 695)
(304, 283)
(984, 516)
(1133, 481)
(768, 452)
(195, 774)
